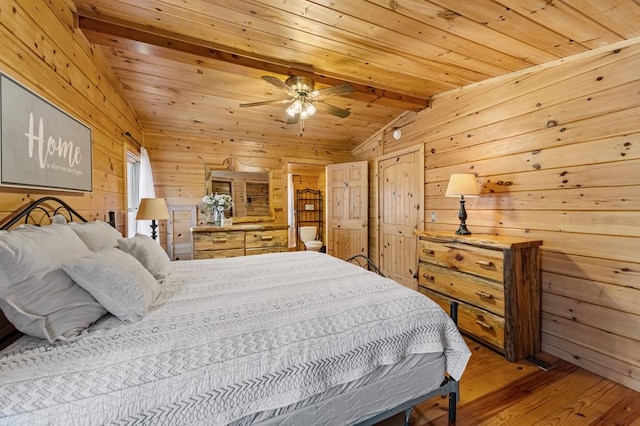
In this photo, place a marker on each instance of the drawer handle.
(484, 263)
(484, 295)
(428, 277)
(426, 251)
(484, 325)
(220, 240)
(267, 237)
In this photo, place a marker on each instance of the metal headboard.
(365, 262)
(44, 210)
(47, 207)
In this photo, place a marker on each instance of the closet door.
(347, 209)
(400, 202)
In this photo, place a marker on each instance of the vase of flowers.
(215, 206)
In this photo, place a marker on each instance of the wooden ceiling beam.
(103, 30)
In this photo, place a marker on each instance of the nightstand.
(495, 280)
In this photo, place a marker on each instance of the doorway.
(301, 176)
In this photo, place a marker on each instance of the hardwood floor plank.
(487, 408)
(529, 410)
(586, 409)
(497, 392)
(625, 412)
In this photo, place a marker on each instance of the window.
(133, 192)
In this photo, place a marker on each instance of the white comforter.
(227, 338)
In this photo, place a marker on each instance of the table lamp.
(152, 209)
(462, 185)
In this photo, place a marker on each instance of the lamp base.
(153, 225)
(462, 230)
(462, 215)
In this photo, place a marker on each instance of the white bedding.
(226, 339)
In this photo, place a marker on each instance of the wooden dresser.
(495, 280)
(238, 240)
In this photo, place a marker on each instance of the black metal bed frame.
(46, 207)
(449, 386)
(365, 262)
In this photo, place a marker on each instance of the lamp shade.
(462, 184)
(152, 209)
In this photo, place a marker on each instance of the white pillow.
(97, 235)
(36, 295)
(148, 252)
(116, 280)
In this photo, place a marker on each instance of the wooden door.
(400, 185)
(347, 209)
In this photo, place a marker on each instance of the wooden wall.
(557, 153)
(41, 50)
(178, 163)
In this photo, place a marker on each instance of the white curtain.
(146, 189)
(292, 212)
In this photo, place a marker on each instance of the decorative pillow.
(116, 280)
(97, 235)
(36, 295)
(148, 252)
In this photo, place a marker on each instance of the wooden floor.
(497, 392)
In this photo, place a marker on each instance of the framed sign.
(41, 146)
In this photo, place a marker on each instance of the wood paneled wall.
(557, 153)
(41, 50)
(178, 164)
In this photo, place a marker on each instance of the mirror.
(250, 188)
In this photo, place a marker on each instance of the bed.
(274, 339)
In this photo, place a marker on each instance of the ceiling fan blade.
(280, 85)
(338, 112)
(339, 90)
(274, 102)
(294, 119)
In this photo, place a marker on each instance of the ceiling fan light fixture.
(301, 98)
(290, 111)
(310, 109)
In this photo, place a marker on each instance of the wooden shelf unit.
(308, 212)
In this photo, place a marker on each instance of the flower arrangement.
(217, 201)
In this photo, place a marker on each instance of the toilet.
(307, 235)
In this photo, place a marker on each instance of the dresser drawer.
(475, 260)
(261, 239)
(476, 322)
(262, 250)
(217, 254)
(485, 294)
(219, 241)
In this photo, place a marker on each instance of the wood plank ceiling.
(186, 65)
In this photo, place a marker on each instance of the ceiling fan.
(303, 100)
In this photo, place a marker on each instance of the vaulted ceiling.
(187, 65)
